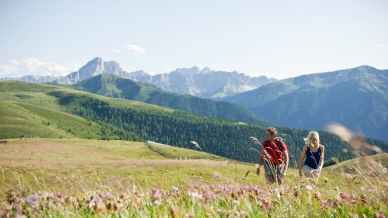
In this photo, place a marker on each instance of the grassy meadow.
(28, 110)
(95, 178)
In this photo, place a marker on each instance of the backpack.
(275, 150)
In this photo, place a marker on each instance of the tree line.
(178, 128)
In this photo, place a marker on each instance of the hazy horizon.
(275, 39)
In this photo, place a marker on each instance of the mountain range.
(356, 98)
(32, 78)
(193, 81)
(204, 82)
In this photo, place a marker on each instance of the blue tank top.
(312, 158)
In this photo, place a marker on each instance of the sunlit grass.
(60, 162)
(94, 178)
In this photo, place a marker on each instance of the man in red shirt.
(274, 156)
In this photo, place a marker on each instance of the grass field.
(78, 165)
(95, 178)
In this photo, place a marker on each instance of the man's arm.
(261, 159)
(287, 160)
(261, 155)
(285, 155)
(255, 141)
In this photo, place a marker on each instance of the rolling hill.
(117, 87)
(356, 98)
(32, 110)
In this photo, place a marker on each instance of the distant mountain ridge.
(356, 98)
(204, 82)
(192, 81)
(32, 78)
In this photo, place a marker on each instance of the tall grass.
(357, 188)
(297, 198)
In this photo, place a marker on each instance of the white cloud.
(381, 44)
(135, 49)
(31, 66)
(117, 51)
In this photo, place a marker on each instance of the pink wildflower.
(32, 200)
(156, 196)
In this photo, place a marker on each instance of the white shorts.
(310, 172)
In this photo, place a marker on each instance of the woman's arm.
(322, 160)
(301, 159)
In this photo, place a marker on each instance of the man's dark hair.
(272, 131)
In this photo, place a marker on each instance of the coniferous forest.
(221, 137)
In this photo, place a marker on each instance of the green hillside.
(27, 111)
(114, 86)
(58, 111)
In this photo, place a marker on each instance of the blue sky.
(275, 38)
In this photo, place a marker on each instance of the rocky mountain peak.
(94, 67)
(112, 67)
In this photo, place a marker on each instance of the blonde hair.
(308, 139)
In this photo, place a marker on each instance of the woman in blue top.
(312, 157)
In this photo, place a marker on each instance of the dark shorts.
(274, 173)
